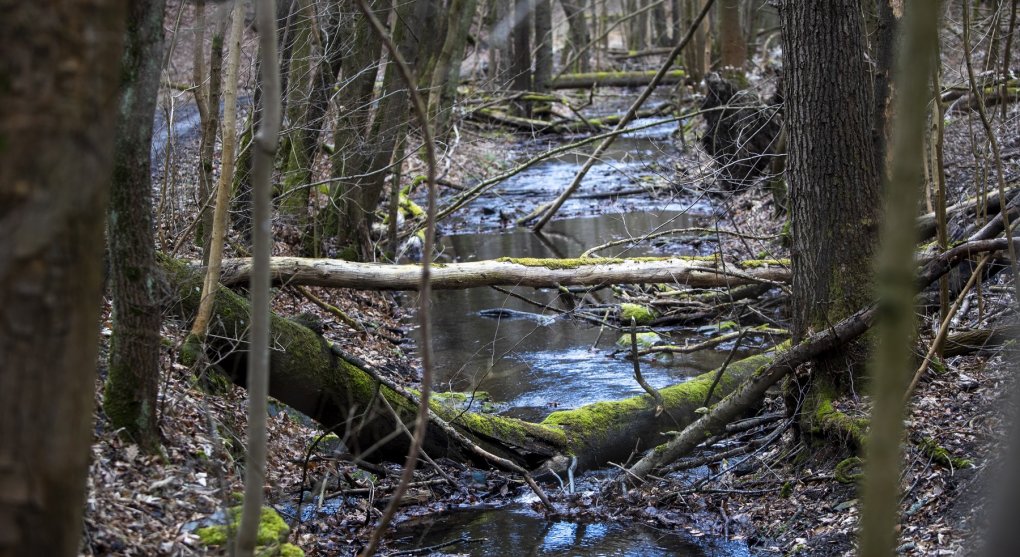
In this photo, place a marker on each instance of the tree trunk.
(129, 399)
(660, 25)
(220, 214)
(834, 182)
(733, 47)
(520, 63)
(390, 123)
(352, 150)
(207, 98)
(696, 58)
(58, 110)
(543, 45)
(296, 155)
(695, 272)
(578, 36)
(498, 24)
(446, 76)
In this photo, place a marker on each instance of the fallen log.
(697, 271)
(318, 379)
(334, 389)
(615, 79)
(748, 393)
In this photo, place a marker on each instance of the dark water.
(517, 531)
(531, 364)
(537, 364)
(641, 159)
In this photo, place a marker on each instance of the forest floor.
(785, 498)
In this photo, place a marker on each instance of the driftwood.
(614, 79)
(338, 391)
(690, 271)
(748, 393)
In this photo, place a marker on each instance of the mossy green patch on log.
(645, 339)
(941, 455)
(637, 313)
(760, 263)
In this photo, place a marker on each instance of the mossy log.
(535, 125)
(310, 375)
(614, 79)
(696, 271)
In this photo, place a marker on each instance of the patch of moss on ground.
(271, 539)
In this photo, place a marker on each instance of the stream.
(532, 361)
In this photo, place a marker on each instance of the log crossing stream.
(533, 361)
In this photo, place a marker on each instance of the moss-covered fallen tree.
(310, 375)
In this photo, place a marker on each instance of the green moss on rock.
(271, 538)
(644, 340)
(640, 314)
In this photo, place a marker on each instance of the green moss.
(833, 423)
(942, 456)
(478, 401)
(849, 470)
(644, 340)
(191, 351)
(573, 263)
(759, 263)
(291, 550)
(636, 312)
(577, 262)
(272, 530)
(786, 490)
(599, 420)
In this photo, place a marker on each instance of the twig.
(431, 548)
(940, 337)
(659, 404)
(729, 358)
(337, 312)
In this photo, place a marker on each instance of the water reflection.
(518, 532)
(535, 366)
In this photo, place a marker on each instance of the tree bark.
(129, 399)
(543, 45)
(352, 149)
(338, 273)
(731, 36)
(446, 75)
(578, 35)
(834, 182)
(58, 109)
(520, 57)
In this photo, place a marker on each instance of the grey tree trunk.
(446, 75)
(129, 400)
(58, 110)
(352, 150)
(833, 178)
(520, 67)
(543, 45)
(578, 35)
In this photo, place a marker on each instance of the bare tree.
(132, 385)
